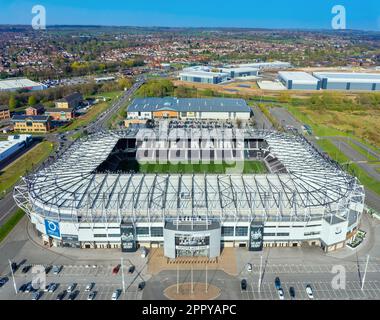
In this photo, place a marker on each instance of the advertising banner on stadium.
(256, 237)
(52, 229)
(128, 238)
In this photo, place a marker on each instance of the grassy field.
(337, 155)
(248, 167)
(93, 113)
(10, 223)
(360, 125)
(11, 174)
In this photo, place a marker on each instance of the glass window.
(156, 231)
(142, 231)
(241, 231)
(228, 231)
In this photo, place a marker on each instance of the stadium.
(92, 197)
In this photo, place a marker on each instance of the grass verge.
(12, 173)
(10, 223)
(353, 168)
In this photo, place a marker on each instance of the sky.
(298, 14)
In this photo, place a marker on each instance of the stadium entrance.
(192, 237)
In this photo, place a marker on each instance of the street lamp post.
(13, 276)
(122, 274)
(261, 263)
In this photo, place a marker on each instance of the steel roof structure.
(69, 189)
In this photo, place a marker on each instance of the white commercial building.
(13, 144)
(189, 108)
(20, 84)
(349, 81)
(275, 65)
(296, 80)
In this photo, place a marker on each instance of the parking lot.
(322, 290)
(105, 282)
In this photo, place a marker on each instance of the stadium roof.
(189, 105)
(349, 77)
(298, 77)
(70, 189)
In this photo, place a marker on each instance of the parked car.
(26, 269)
(47, 269)
(243, 284)
(277, 283)
(57, 269)
(14, 266)
(116, 294)
(309, 291)
(131, 269)
(37, 295)
(91, 295)
(3, 281)
(141, 285)
(29, 288)
(61, 295)
(89, 287)
(249, 267)
(73, 295)
(116, 269)
(53, 287)
(280, 293)
(292, 292)
(22, 287)
(71, 287)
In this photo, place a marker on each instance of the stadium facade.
(84, 200)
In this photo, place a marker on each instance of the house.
(4, 113)
(25, 123)
(71, 101)
(35, 110)
(58, 114)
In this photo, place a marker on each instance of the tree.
(13, 102)
(32, 101)
(124, 83)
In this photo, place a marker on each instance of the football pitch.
(246, 167)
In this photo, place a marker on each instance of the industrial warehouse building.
(296, 80)
(13, 144)
(84, 200)
(20, 84)
(216, 75)
(187, 108)
(203, 74)
(241, 72)
(348, 81)
(274, 65)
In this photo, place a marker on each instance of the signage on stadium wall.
(256, 237)
(128, 238)
(52, 229)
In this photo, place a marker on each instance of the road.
(7, 204)
(262, 122)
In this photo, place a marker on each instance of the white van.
(143, 252)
